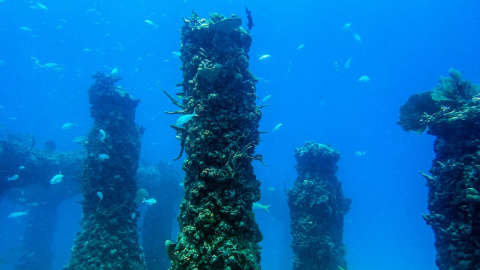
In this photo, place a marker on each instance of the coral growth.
(453, 198)
(317, 207)
(217, 224)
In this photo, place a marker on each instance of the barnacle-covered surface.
(217, 225)
(108, 238)
(453, 199)
(317, 207)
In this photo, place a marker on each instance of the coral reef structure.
(317, 208)
(451, 112)
(108, 238)
(219, 132)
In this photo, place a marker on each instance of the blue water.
(405, 46)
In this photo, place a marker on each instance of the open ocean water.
(318, 52)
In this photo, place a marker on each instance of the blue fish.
(185, 118)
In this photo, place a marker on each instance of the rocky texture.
(317, 207)
(217, 225)
(108, 239)
(453, 198)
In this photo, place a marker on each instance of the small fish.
(151, 23)
(260, 206)
(185, 118)
(346, 66)
(41, 6)
(56, 179)
(265, 99)
(18, 214)
(249, 18)
(24, 28)
(364, 79)
(13, 178)
(360, 153)
(114, 71)
(50, 65)
(176, 54)
(134, 215)
(21, 168)
(103, 135)
(265, 56)
(277, 127)
(58, 27)
(300, 47)
(68, 126)
(337, 67)
(150, 201)
(103, 157)
(357, 37)
(272, 189)
(100, 195)
(346, 27)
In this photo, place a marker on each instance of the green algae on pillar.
(317, 207)
(451, 112)
(217, 225)
(108, 238)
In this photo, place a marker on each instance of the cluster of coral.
(219, 133)
(109, 239)
(317, 208)
(451, 112)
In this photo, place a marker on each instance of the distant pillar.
(317, 207)
(451, 112)
(219, 131)
(108, 239)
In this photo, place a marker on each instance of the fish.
(272, 189)
(18, 214)
(360, 153)
(103, 157)
(249, 18)
(357, 37)
(184, 118)
(68, 126)
(259, 206)
(100, 195)
(346, 66)
(41, 6)
(300, 47)
(346, 27)
(56, 179)
(21, 167)
(13, 178)
(24, 28)
(151, 23)
(176, 54)
(265, 56)
(336, 66)
(364, 79)
(114, 71)
(149, 201)
(50, 65)
(265, 99)
(103, 135)
(277, 127)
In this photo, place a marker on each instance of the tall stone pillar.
(451, 112)
(317, 207)
(108, 238)
(219, 133)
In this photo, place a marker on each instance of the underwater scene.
(240, 135)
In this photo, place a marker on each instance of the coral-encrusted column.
(109, 239)
(317, 207)
(451, 112)
(217, 224)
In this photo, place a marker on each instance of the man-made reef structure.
(317, 208)
(109, 239)
(451, 112)
(219, 132)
